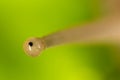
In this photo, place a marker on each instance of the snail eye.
(33, 46)
(30, 44)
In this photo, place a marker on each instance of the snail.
(106, 29)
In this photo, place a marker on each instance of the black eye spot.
(30, 44)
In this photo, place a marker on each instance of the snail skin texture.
(105, 30)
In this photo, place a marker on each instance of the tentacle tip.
(34, 46)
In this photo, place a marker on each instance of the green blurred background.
(21, 19)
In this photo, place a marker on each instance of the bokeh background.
(21, 19)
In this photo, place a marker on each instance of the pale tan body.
(107, 29)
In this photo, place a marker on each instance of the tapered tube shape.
(106, 30)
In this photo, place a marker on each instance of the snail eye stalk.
(107, 30)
